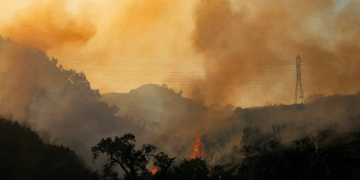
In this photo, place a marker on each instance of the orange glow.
(153, 169)
(47, 26)
(198, 148)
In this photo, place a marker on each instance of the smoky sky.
(222, 49)
(234, 42)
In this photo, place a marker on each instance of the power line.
(96, 62)
(181, 72)
(337, 67)
(240, 64)
(186, 75)
(331, 85)
(158, 72)
(164, 63)
(156, 63)
(232, 82)
(306, 83)
(194, 81)
(155, 73)
(237, 65)
(331, 78)
(199, 84)
(336, 87)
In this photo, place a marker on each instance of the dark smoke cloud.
(233, 40)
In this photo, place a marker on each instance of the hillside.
(151, 102)
(221, 127)
(340, 113)
(24, 155)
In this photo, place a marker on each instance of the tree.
(261, 153)
(121, 152)
(314, 97)
(79, 80)
(196, 169)
(163, 162)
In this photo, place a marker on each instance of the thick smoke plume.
(241, 45)
(48, 25)
(105, 38)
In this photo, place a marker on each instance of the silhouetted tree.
(193, 169)
(163, 162)
(120, 151)
(79, 79)
(314, 97)
(261, 154)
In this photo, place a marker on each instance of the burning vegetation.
(153, 169)
(198, 148)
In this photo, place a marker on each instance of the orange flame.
(198, 148)
(153, 169)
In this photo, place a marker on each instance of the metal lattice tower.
(299, 93)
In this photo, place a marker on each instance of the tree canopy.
(121, 151)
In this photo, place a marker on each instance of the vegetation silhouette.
(192, 169)
(325, 154)
(163, 163)
(120, 151)
(24, 155)
(308, 158)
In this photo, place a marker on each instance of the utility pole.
(299, 92)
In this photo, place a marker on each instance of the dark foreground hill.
(23, 155)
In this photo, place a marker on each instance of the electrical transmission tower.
(299, 93)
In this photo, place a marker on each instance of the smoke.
(48, 25)
(240, 45)
(222, 129)
(236, 43)
(58, 103)
(231, 48)
(104, 38)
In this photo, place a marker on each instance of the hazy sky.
(226, 51)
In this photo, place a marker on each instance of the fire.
(153, 170)
(198, 148)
